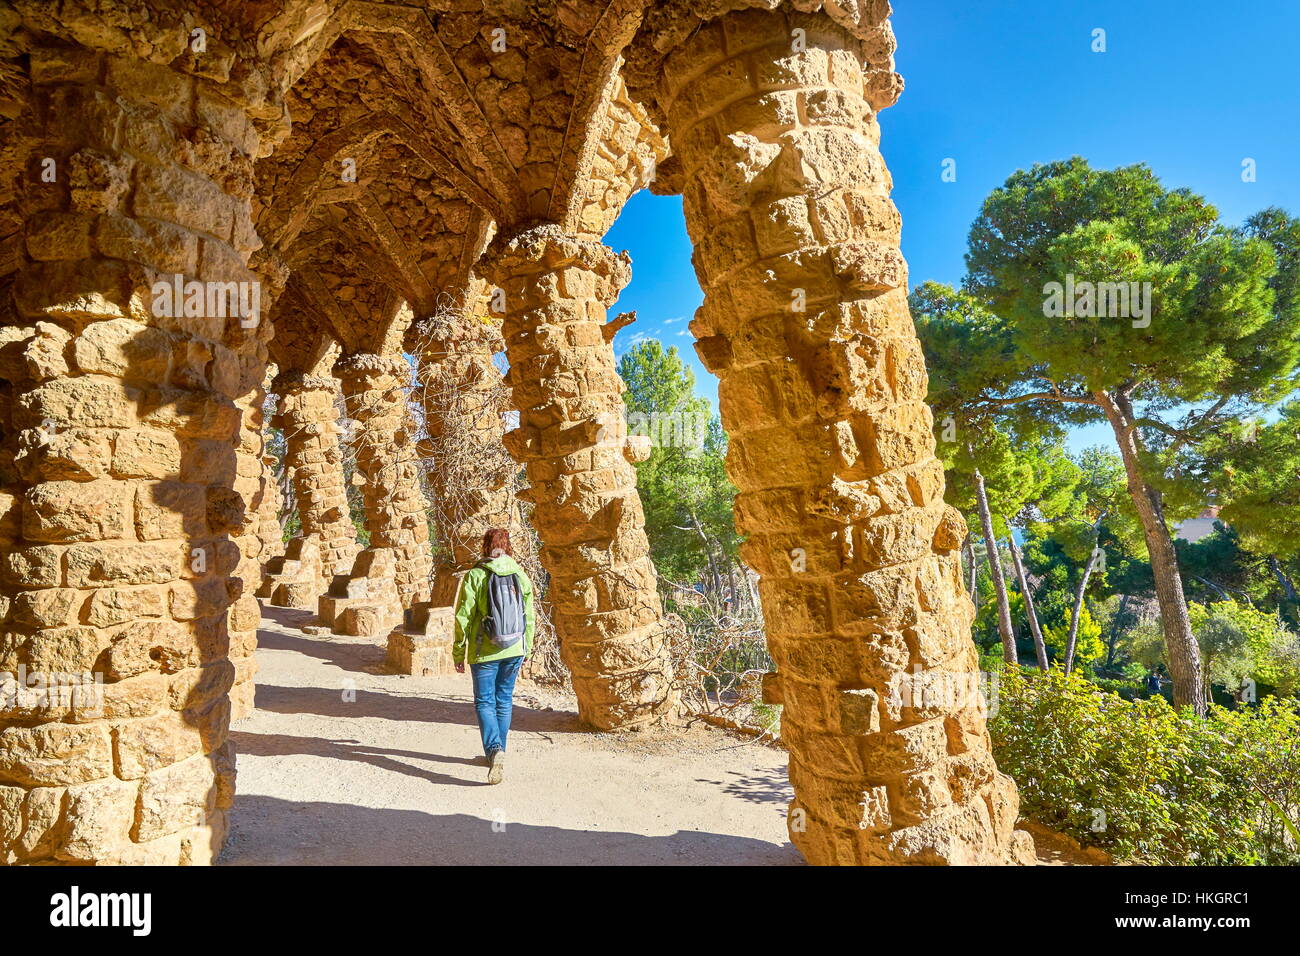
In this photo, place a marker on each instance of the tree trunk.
(1182, 651)
(755, 607)
(714, 574)
(1288, 586)
(1114, 631)
(995, 569)
(1221, 592)
(1078, 610)
(972, 570)
(1040, 647)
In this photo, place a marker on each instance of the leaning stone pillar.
(464, 401)
(374, 390)
(772, 116)
(270, 533)
(117, 557)
(308, 418)
(257, 489)
(571, 438)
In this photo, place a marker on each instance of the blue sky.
(1191, 88)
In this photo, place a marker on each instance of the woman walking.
(494, 630)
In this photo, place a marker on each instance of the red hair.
(496, 539)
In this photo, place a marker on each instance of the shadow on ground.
(385, 758)
(761, 787)
(333, 834)
(327, 702)
(354, 654)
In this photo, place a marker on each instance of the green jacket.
(471, 607)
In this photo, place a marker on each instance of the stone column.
(270, 531)
(572, 439)
(118, 558)
(464, 400)
(308, 417)
(772, 116)
(374, 390)
(256, 488)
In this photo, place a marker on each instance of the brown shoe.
(496, 766)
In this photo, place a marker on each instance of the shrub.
(1148, 783)
(1087, 639)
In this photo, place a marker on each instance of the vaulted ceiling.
(417, 133)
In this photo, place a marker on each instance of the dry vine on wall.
(462, 404)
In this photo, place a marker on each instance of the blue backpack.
(504, 621)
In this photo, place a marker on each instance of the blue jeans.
(494, 688)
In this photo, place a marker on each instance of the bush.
(1148, 783)
(1087, 639)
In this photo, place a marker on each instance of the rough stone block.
(419, 655)
(296, 594)
(99, 817)
(364, 620)
(55, 754)
(143, 746)
(174, 798)
(76, 511)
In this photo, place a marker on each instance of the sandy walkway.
(342, 764)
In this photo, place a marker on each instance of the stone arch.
(528, 163)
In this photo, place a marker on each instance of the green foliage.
(685, 492)
(1239, 642)
(1102, 493)
(1215, 305)
(657, 380)
(1145, 644)
(1216, 566)
(1223, 339)
(1097, 513)
(1088, 645)
(985, 626)
(1284, 665)
(1256, 471)
(1145, 782)
(1021, 456)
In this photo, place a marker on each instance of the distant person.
(494, 629)
(1153, 683)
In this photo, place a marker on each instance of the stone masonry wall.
(470, 473)
(118, 556)
(257, 544)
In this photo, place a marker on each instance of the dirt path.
(343, 764)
